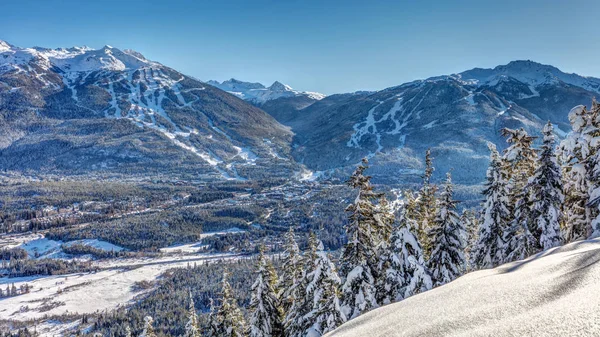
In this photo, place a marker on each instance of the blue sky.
(326, 46)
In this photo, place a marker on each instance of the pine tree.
(191, 327)
(471, 224)
(148, 328)
(547, 193)
(575, 152)
(447, 260)
(358, 260)
(323, 292)
(488, 250)
(213, 324)
(426, 205)
(229, 316)
(405, 272)
(593, 167)
(295, 321)
(291, 273)
(265, 313)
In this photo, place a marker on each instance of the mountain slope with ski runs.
(554, 293)
(78, 110)
(81, 110)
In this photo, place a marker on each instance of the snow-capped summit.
(280, 87)
(70, 59)
(528, 72)
(257, 93)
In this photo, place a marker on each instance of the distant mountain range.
(78, 110)
(81, 110)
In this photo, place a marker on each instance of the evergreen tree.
(593, 166)
(488, 250)
(291, 273)
(520, 242)
(265, 313)
(575, 152)
(471, 224)
(358, 260)
(447, 260)
(191, 327)
(405, 273)
(127, 331)
(426, 205)
(547, 193)
(213, 325)
(296, 324)
(148, 328)
(229, 316)
(323, 292)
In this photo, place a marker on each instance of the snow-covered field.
(555, 293)
(90, 292)
(38, 246)
(197, 246)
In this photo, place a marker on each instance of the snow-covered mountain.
(258, 93)
(554, 293)
(454, 115)
(107, 109)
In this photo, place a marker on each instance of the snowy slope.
(160, 116)
(258, 93)
(555, 293)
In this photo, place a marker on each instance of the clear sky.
(326, 46)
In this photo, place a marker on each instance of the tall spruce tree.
(447, 260)
(191, 327)
(405, 271)
(547, 193)
(593, 166)
(575, 152)
(291, 273)
(489, 247)
(323, 292)
(359, 261)
(296, 324)
(213, 326)
(229, 316)
(426, 205)
(470, 222)
(265, 313)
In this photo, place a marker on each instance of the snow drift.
(554, 293)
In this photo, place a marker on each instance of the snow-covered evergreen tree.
(229, 316)
(295, 321)
(471, 224)
(447, 260)
(127, 331)
(358, 260)
(323, 292)
(291, 273)
(520, 241)
(547, 194)
(191, 327)
(148, 328)
(488, 250)
(213, 325)
(575, 152)
(426, 205)
(405, 273)
(593, 166)
(265, 313)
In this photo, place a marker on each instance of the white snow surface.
(554, 293)
(258, 93)
(75, 59)
(90, 292)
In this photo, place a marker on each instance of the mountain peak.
(280, 87)
(4, 46)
